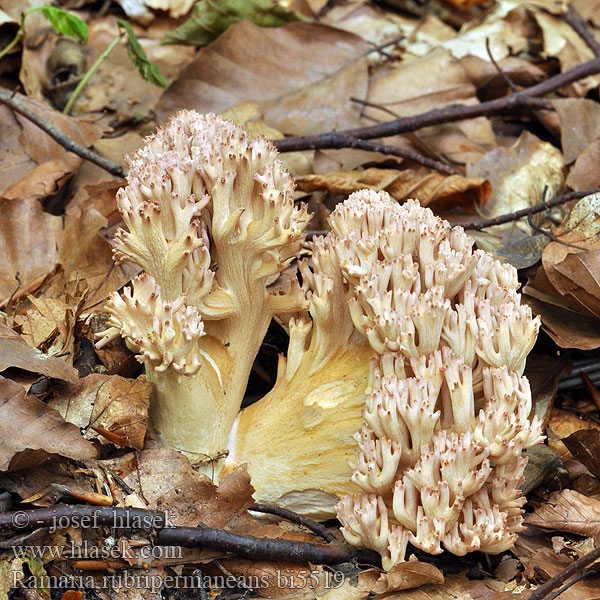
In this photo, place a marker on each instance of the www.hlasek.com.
(130, 579)
(111, 549)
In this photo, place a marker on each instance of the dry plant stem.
(294, 517)
(524, 212)
(189, 537)
(574, 19)
(68, 144)
(544, 590)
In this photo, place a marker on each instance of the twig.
(532, 210)
(347, 141)
(294, 517)
(566, 573)
(68, 144)
(63, 515)
(509, 82)
(574, 19)
(528, 98)
(573, 581)
(278, 549)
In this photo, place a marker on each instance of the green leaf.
(148, 70)
(210, 18)
(65, 23)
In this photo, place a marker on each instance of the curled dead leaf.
(30, 431)
(432, 189)
(403, 576)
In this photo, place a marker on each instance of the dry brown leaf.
(166, 481)
(569, 283)
(519, 174)
(107, 402)
(561, 425)
(30, 431)
(25, 146)
(45, 179)
(565, 326)
(434, 81)
(584, 445)
(84, 254)
(56, 319)
(372, 23)
(302, 75)
(117, 85)
(568, 511)
(403, 576)
(27, 245)
(16, 352)
(580, 125)
(585, 174)
(563, 42)
(431, 188)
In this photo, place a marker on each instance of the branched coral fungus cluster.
(447, 413)
(212, 223)
(443, 405)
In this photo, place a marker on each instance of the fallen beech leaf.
(568, 511)
(433, 189)
(564, 325)
(30, 431)
(563, 42)
(109, 402)
(584, 445)
(56, 319)
(561, 425)
(44, 180)
(519, 174)
(166, 480)
(403, 576)
(25, 146)
(324, 68)
(84, 254)
(27, 245)
(579, 125)
(432, 82)
(16, 352)
(585, 175)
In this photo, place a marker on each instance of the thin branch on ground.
(67, 143)
(574, 19)
(64, 515)
(577, 565)
(524, 212)
(347, 141)
(509, 82)
(525, 99)
(294, 517)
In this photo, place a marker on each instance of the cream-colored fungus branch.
(211, 220)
